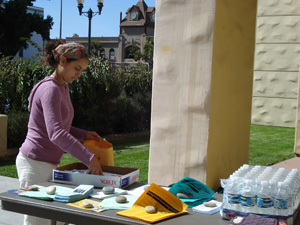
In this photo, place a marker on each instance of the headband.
(72, 50)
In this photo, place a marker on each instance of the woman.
(50, 133)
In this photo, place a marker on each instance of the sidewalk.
(7, 183)
(6, 217)
(293, 163)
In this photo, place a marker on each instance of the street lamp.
(90, 15)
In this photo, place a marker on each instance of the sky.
(106, 24)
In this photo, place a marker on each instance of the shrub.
(112, 100)
(17, 78)
(107, 100)
(17, 128)
(95, 97)
(137, 84)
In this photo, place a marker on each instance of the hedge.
(105, 99)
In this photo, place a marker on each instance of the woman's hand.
(95, 167)
(92, 135)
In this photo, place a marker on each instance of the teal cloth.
(41, 193)
(62, 194)
(200, 191)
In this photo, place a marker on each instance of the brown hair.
(49, 58)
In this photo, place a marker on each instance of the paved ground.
(293, 163)
(6, 217)
(7, 183)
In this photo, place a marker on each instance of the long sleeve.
(56, 125)
(78, 133)
(50, 133)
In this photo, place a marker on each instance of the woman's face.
(70, 71)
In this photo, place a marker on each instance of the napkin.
(79, 193)
(208, 210)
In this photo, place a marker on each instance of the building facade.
(36, 38)
(137, 26)
(276, 68)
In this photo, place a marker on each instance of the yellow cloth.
(78, 204)
(167, 205)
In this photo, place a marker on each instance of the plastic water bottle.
(248, 197)
(281, 199)
(292, 195)
(296, 182)
(232, 194)
(264, 199)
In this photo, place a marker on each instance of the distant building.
(36, 38)
(136, 26)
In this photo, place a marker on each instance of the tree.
(96, 48)
(17, 25)
(146, 54)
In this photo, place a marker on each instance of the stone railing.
(4, 152)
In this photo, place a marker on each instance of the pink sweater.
(50, 133)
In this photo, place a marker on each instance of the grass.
(132, 154)
(268, 145)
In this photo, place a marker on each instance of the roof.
(144, 15)
(111, 40)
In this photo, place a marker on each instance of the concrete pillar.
(202, 89)
(3, 135)
(297, 132)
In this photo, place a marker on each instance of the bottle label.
(233, 199)
(247, 201)
(291, 202)
(264, 202)
(280, 204)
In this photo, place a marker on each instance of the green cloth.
(110, 203)
(41, 193)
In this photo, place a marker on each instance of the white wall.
(276, 67)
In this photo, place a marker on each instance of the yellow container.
(102, 149)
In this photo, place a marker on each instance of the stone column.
(202, 89)
(3, 135)
(297, 132)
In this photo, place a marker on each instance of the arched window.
(129, 51)
(102, 53)
(112, 54)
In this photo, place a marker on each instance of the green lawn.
(268, 145)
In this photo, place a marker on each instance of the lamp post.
(90, 15)
(60, 26)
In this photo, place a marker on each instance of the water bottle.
(264, 199)
(292, 195)
(247, 198)
(232, 194)
(281, 199)
(296, 182)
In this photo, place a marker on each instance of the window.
(153, 16)
(133, 15)
(102, 53)
(112, 54)
(129, 51)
